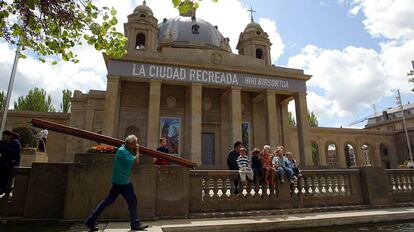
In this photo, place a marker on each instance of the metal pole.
(9, 91)
(405, 126)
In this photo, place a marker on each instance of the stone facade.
(181, 80)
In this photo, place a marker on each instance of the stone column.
(235, 114)
(285, 125)
(272, 129)
(195, 122)
(303, 129)
(153, 121)
(112, 104)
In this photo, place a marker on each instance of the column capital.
(154, 82)
(113, 78)
(235, 88)
(196, 84)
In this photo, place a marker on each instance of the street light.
(9, 90)
(400, 105)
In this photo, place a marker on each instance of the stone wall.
(70, 191)
(56, 145)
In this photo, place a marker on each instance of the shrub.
(27, 136)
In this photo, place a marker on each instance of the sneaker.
(300, 174)
(282, 180)
(91, 226)
(295, 178)
(139, 227)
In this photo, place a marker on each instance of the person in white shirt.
(42, 140)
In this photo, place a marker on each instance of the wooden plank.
(108, 140)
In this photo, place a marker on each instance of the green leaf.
(176, 3)
(113, 11)
(54, 62)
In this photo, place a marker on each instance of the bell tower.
(141, 30)
(254, 42)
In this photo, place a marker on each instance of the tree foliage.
(50, 27)
(313, 120)
(292, 120)
(65, 105)
(2, 99)
(185, 5)
(27, 136)
(35, 100)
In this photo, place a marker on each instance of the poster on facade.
(170, 128)
(245, 134)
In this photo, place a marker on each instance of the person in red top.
(162, 148)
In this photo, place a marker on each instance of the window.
(140, 42)
(259, 53)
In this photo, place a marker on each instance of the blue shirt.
(280, 161)
(124, 160)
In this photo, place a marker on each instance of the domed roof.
(190, 32)
(144, 8)
(252, 25)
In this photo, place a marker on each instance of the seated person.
(257, 166)
(291, 163)
(244, 166)
(162, 148)
(280, 163)
(269, 170)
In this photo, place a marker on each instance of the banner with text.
(176, 73)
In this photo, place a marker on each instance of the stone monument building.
(181, 80)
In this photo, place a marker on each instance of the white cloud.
(389, 18)
(90, 72)
(277, 44)
(356, 76)
(350, 78)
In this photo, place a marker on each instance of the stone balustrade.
(216, 191)
(401, 184)
(70, 191)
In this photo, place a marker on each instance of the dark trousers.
(5, 178)
(296, 171)
(127, 192)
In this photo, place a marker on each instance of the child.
(162, 148)
(244, 166)
(291, 163)
(280, 163)
(269, 170)
(257, 166)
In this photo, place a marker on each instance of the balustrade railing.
(223, 191)
(401, 182)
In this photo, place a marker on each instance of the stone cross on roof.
(251, 13)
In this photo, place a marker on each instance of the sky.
(357, 51)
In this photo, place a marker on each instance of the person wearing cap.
(245, 169)
(10, 158)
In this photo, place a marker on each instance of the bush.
(27, 136)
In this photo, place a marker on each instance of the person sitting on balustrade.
(257, 166)
(291, 163)
(245, 169)
(269, 170)
(280, 163)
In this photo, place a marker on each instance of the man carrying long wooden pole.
(126, 156)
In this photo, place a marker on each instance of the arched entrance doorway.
(350, 155)
(367, 154)
(385, 156)
(332, 154)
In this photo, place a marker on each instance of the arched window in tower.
(140, 42)
(259, 53)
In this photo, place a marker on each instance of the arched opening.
(132, 130)
(259, 53)
(366, 154)
(315, 153)
(350, 155)
(385, 156)
(140, 42)
(332, 155)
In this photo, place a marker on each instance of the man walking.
(125, 158)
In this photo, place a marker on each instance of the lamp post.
(9, 90)
(399, 102)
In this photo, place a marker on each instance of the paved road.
(267, 223)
